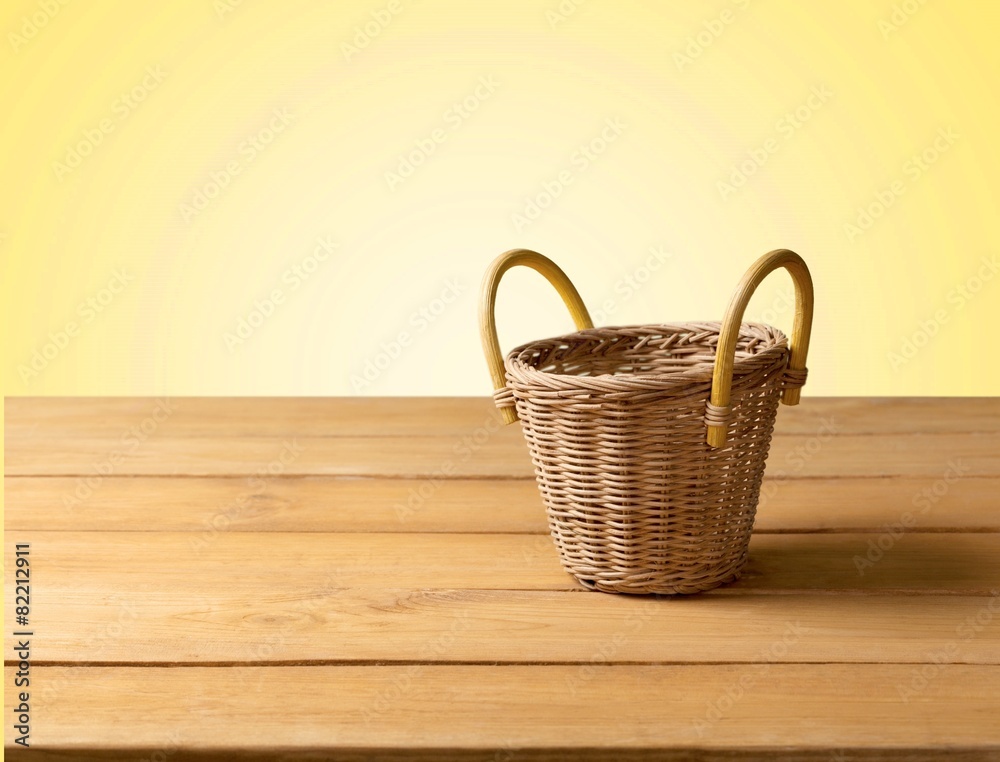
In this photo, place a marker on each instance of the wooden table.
(372, 578)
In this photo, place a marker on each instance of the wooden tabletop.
(372, 578)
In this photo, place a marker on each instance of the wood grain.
(324, 624)
(334, 504)
(373, 579)
(780, 711)
(111, 417)
(135, 563)
(417, 456)
(442, 457)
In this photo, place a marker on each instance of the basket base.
(636, 585)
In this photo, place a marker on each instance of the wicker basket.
(649, 441)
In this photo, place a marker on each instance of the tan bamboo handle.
(487, 305)
(718, 410)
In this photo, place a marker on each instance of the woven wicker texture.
(638, 501)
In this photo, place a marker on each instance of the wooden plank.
(677, 712)
(942, 501)
(298, 504)
(328, 624)
(111, 417)
(892, 415)
(333, 504)
(432, 457)
(95, 417)
(137, 563)
(493, 457)
(938, 455)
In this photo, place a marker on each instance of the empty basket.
(649, 441)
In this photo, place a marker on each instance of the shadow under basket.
(640, 497)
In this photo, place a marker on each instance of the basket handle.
(717, 411)
(487, 317)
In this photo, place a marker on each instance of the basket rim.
(774, 352)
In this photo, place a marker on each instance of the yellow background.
(698, 87)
